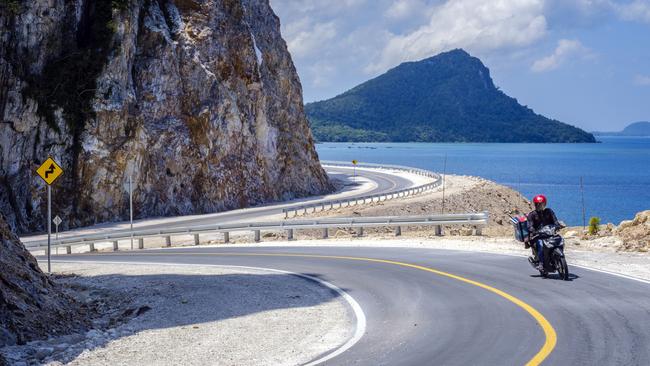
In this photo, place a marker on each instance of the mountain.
(641, 128)
(446, 98)
(197, 100)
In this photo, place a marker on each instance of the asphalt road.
(417, 316)
(385, 182)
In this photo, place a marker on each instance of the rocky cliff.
(32, 306)
(197, 100)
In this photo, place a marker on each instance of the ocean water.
(615, 172)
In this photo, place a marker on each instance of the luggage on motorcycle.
(520, 224)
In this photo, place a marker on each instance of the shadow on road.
(136, 303)
(555, 276)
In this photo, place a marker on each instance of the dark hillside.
(446, 98)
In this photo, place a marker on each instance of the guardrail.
(332, 204)
(475, 220)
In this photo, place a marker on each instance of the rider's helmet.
(540, 202)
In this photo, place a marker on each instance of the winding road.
(384, 182)
(426, 306)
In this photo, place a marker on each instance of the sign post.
(354, 170)
(444, 174)
(49, 171)
(128, 187)
(131, 208)
(57, 221)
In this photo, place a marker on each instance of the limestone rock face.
(197, 100)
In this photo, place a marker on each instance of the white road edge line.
(360, 316)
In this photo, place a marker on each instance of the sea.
(615, 173)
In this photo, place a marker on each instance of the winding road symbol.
(49, 171)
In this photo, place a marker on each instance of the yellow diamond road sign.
(49, 171)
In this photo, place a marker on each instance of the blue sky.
(584, 62)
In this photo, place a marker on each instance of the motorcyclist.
(538, 218)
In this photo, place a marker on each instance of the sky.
(583, 62)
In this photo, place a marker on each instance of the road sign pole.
(49, 227)
(131, 208)
(444, 173)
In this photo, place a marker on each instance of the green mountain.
(446, 98)
(641, 128)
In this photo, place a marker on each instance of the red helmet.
(540, 202)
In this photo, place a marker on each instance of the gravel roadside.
(199, 315)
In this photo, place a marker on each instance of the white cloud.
(305, 37)
(642, 80)
(565, 50)
(638, 10)
(404, 9)
(321, 74)
(475, 25)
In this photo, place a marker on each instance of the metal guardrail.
(476, 220)
(331, 204)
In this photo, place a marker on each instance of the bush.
(593, 225)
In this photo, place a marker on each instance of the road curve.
(385, 182)
(421, 317)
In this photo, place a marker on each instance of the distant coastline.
(636, 129)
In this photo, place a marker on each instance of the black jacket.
(537, 220)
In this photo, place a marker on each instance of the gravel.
(200, 315)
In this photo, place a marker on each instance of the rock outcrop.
(635, 233)
(197, 100)
(31, 305)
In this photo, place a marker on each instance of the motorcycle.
(553, 246)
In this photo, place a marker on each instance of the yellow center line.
(549, 332)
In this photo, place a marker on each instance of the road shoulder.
(201, 315)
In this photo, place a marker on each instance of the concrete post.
(168, 241)
(360, 231)
(289, 234)
(141, 243)
(257, 236)
(92, 247)
(68, 250)
(438, 230)
(286, 214)
(226, 237)
(398, 231)
(115, 246)
(196, 239)
(326, 233)
(305, 212)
